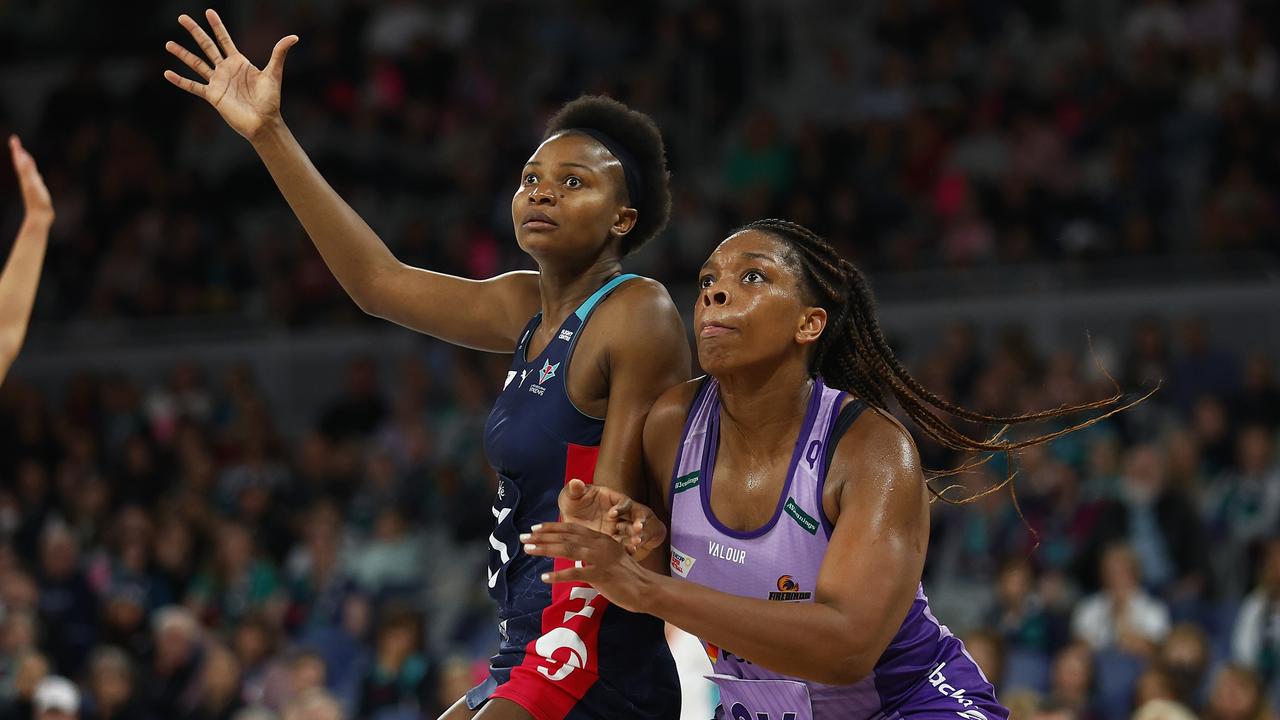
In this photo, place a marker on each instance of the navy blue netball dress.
(565, 653)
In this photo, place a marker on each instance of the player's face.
(568, 204)
(751, 308)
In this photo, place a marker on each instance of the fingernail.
(525, 537)
(537, 527)
(546, 577)
(529, 547)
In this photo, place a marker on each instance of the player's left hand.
(35, 196)
(609, 511)
(605, 563)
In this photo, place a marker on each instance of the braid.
(854, 355)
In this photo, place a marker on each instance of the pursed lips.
(539, 221)
(714, 329)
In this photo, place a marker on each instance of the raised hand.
(35, 196)
(247, 98)
(21, 272)
(610, 512)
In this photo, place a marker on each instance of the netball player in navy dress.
(798, 511)
(586, 339)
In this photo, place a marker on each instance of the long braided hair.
(853, 355)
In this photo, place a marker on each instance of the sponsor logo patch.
(681, 564)
(802, 518)
(685, 482)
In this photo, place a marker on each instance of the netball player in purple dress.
(799, 512)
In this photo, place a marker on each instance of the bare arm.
(865, 587)
(662, 436)
(647, 354)
(22, 271)
(480, 314)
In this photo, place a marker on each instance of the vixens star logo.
(547, 372)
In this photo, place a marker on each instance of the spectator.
(1154, 684)
(17, 641)
(401, 677)
(393, 558)
(1071, 684)
(219, 685)
(307, 673)
(172, 685)
(1122, 616)
(111, 687)
(1243, 508)
(1202, 369)
(238, 583)
(56, 698)
(1256, 639)
(31, 670)
(1236, 695)
(1019, 614)
(1159, 523)
(1185, 657)
(68, 607)
(320, 584)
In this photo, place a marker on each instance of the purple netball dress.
(924, 673)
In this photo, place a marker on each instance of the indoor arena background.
(221, 484)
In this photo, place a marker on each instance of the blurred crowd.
(917, 134)
(167, 547)
(167, 551)
(1135, 559)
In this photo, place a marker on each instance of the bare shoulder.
(670, 410)
(643, 304)
(523, 288)
(639, 327)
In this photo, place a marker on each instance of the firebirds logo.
(789, 591)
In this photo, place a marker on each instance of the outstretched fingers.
(189, 58)
(220, 32)
(190, 86)
(276, 65)
(35, 196)
(202, 38)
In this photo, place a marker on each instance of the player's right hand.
(247, 98)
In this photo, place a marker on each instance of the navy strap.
(848, 415)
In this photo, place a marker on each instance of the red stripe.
(562, 665)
